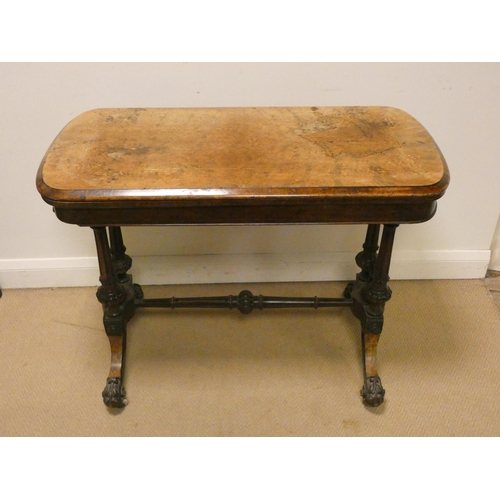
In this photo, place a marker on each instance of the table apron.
(390, 213)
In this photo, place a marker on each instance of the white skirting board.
(242, 268)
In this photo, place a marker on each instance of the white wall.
(458, 103)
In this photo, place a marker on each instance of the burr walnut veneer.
(321, 165)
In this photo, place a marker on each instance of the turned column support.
(111, 293)
(376, 291)
(120, 260)
(368, 256)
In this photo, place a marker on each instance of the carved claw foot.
(113, 394)
(373, 392)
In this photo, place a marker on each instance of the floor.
(270, 373)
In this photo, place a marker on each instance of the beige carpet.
(272, 373)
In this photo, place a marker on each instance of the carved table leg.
(122, 263)
(117, 295)
(366, 258)
(370, 293)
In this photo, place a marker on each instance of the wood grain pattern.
(219, 149)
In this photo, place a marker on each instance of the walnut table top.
(243, 165)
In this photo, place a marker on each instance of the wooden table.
(321, 165)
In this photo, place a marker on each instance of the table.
(110, 168)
